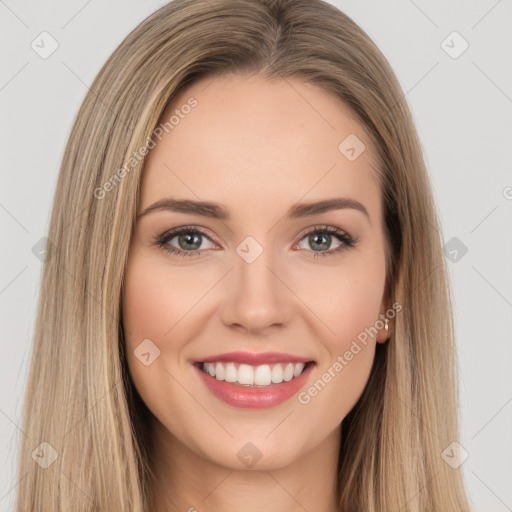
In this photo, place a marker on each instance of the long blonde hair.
(80, 399)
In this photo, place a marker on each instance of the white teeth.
(262, 375)
(288, 372)
(231, 374)
(219, 371)
(211, 369)
(277, 374)
(298, 369)
(245, 374)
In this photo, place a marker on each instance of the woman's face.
(249, 274)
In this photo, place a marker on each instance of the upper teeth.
(261, 375)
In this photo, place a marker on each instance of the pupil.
(188, 239)
(327, 239)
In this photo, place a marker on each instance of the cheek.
(157, 301)
(346, 302)
(355, 308)
(150, 309)
(153, 304)
(348, 307)
(163, 304)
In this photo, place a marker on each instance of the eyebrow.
(218, 211)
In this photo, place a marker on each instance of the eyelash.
(163, 240)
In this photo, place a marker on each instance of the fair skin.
(257, 147)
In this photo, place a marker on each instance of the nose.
(257, 298)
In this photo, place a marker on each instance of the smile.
(250, 375)
(253, 386)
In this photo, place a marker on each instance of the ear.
(384, 334)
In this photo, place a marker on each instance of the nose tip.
(256, 297)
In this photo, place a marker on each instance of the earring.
(386, 325)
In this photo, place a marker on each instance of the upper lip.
(255, 359)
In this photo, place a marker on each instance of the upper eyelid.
(172, 233)
(325, 227)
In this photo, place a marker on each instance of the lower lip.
(247, 397)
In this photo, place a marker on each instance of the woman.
(246, 306)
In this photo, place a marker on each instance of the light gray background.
(463, 112)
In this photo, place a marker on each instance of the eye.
(321, 238)
(189, 241)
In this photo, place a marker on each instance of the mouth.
(256, 376)
(259, 386)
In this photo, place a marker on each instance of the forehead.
(247, 140)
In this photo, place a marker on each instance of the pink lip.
(254, 359)
(249, 397)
